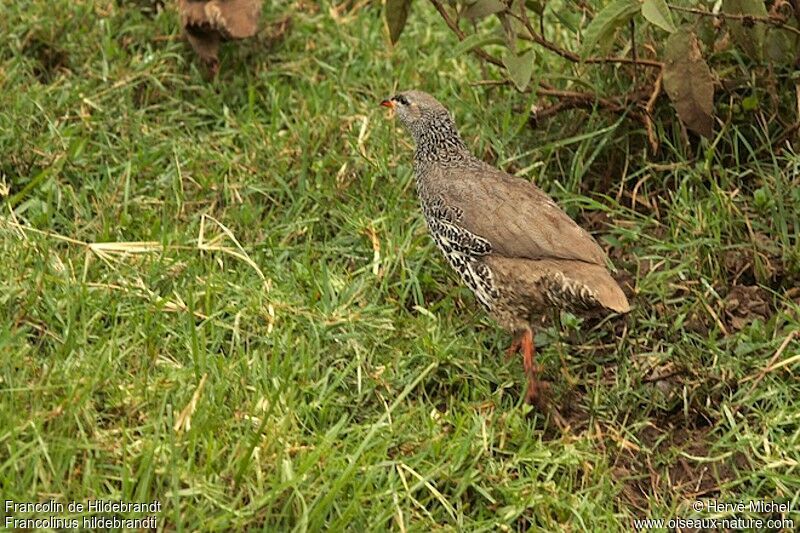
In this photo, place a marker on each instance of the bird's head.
(419, 112)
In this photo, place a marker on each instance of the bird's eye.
(401, 99)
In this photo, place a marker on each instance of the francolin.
(209, 22)
(518, 252)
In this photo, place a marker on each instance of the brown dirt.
(744, 304)
(763, 264)
(672, 462)
(594, 221)
(50, 60)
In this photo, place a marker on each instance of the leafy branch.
(480, 52)
(538, 38)
(772, 20)
(567, 99)
(675, 65)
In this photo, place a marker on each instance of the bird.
(509, 242)
(206, 23)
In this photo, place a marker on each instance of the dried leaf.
(689, 83)
(396, 14)
(603, 27)
(520, 67)
(657, 12)
(484, 8)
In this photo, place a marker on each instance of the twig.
(581, 97)
(536, 37)
(541, 22)
(558, 107)
(778, 22)
(648, 113)
(480, 52)
(576, 99)
(576, 103)
(633, 49)
(539, 38)
(627, 60)
(570, 99)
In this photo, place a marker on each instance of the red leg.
(213, 68)
(523, 342)
(531, 369)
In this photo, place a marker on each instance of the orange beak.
(388, 103)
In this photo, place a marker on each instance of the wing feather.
(514, 215)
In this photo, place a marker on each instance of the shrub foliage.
(716, 62)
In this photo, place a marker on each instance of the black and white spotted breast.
(462, 249)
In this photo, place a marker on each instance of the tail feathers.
(596, 279)
(563, 282)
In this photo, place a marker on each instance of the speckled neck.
(438, 141)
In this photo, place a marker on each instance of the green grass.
(284, 347)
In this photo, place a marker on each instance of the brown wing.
(233, 19)
(515, 216)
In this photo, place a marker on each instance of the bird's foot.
(212, 68)
(537, 393)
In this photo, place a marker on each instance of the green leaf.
(779, 47)
(657, 13)
(476, 40)
(750, 103)
(520, 67)
(603, 27)
(748, 37)
(484, 8)
(537, 6)
(396, 14)
(689, 83)
(706, 31)
(762, 197)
